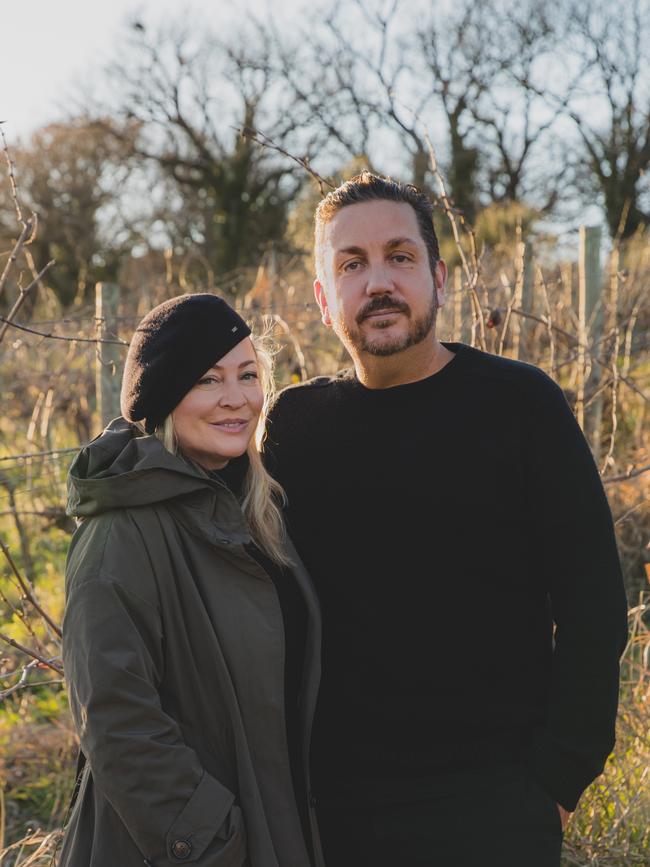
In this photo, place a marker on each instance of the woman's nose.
(232, 395)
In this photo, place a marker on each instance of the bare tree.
(515, 123)
(182, 101)
(352, 78)
(374, 75)
(611, 112)
(460, 69)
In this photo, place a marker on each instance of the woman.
(183, 599)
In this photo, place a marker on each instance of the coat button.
(181, 849)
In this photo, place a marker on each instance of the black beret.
(173, 346)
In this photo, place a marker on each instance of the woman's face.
(218, 416)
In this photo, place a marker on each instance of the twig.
(295, 343)
(30, 652)
(576, 342)
(21, 299)
(60, 337)
(598, 391)
(252, 135)
(27, 591)
(506, 318)
(51, 514)
(12, 179)
(629, 512)
(10, 487)
(549, 317)
(39, 454)
(451, 213)
(630, 474)
(29, 227)
(612, 436)
(629, 332)
(22, 240)
(32, 268)
(5, 693)
(22, 616)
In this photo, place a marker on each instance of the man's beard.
(418, 329)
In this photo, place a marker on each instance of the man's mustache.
(382, 302)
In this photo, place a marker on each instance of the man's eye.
(400, 258)
(351, 266)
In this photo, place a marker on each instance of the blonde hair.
(262, 495)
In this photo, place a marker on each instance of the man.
(451, 515)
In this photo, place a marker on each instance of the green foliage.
(38, 749)
(611, 827)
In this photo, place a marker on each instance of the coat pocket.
(210, 827)
(228, 847)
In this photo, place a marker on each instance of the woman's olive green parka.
(173, 648)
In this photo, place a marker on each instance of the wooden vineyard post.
(109, 356)
(589, 326)
(523, 294)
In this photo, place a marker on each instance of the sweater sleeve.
(276, 423)
(112, 651)
(578, 562)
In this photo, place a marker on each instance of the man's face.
(379, 294)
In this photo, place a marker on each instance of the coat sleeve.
(172, 808)
(578, 563)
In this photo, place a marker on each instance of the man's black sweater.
(448, 524)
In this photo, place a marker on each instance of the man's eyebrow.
(398, 242)
(355, 251)
(390, 245)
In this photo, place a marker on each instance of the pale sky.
(48, 45)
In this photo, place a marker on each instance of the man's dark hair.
(368, 187)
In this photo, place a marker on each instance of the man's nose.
(379, 280)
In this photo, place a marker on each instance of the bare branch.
(52, 336)
(12, 179)
(38, 454)
(24, 678)
(27, 590)
(25, 237)
(263, 140)
(632, 473)
(21, 299)
(50, 663)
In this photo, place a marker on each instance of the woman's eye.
(250, 375)
(208, 380)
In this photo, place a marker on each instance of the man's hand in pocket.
(564, 816)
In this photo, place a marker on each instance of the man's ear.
(321, 300)
(440, 281)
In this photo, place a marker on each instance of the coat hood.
(123, 467)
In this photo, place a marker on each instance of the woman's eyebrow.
(243, 364)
